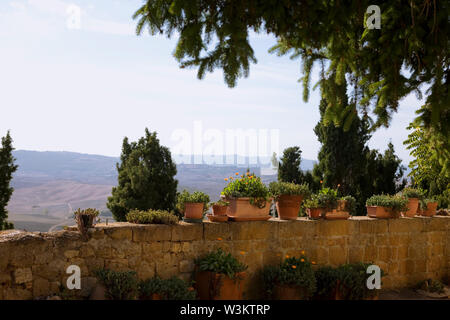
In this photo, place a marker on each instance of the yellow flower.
(226, 179)
(302, 260)
(237, 173)
(321, 181)
(294, 267)
(313, 262)
(220, 239)
(339, 185)
(242, 252)
(303, 252)
(287, 256)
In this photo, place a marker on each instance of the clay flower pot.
(240, 209)
(214, 218)
(413, 205)
(337, 215)
(315, 213)
(193, 210)
(288, 206)
(284, 292)
(381, 212)
(219, 210)
(431, 209)
(215, 286)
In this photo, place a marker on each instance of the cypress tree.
(146, 177)
(289, 165)
(7, 168)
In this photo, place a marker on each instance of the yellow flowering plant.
(247, 185)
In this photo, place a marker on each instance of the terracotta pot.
(337, 215)
(193, 210)
(381, 212)
(341, 205)
(288, 206)
(315, 213)
(413, 205)
(241, 209)
(214, 218)
(431, 209)
(284, 292)
(219, 210)
(215, 286)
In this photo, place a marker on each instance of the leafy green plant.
(195, 197)
(220, 203)
(151, 217)
(424, 203)
(247, 186)
(326, 279)
(327, 198)
(88, 211)
(350, 204)
(396, 203)
(293, 272)
(353, 281)
(220, 262)
(412, 193)
(313, 202)
(279, 188)
(120, 285)
(168, 289)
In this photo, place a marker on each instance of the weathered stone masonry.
(410, 249)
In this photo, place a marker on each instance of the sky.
(82, 85)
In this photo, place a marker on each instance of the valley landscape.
(49, 186)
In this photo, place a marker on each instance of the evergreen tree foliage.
(146, 178)
(289, 166)
(7, 168)
(413, 36)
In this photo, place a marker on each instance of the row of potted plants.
(220, 276)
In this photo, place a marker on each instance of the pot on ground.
(413, 205)
(382, 212)
(193, 210)
(430, 210)
(288, 206)
(242, 209)
(216, 286)
(285, 292)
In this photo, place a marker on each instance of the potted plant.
(385, 206)
(352, 282)
(248, 197)
(292, 279)
(322, 203)
(327, 283)
(219, 276)
(219, 211)
(166, 289)
(85, 219)
(115, 285)
(314, 209)
(428, 207)
(413, 196)
(194, 205)
(288, 197)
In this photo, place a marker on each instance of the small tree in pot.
(413, 196)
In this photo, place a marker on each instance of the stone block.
(215, 230)
(254, 230)
(186, 266)
(119, 233)
(147, 233)
(187, 232)
(23, 275)
(41, 287)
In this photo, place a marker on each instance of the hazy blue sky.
(83, 90)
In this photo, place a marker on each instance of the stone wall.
(33, 265)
